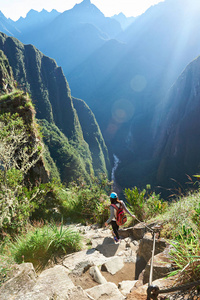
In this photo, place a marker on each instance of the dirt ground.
(86, 281)
(126, 273)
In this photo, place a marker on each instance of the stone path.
(106, 270)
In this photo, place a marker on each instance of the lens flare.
(122, 111)
(138, 83)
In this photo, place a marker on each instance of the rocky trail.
(103, 270)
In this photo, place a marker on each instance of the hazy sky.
(15, 8)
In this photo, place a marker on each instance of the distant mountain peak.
(1, 14)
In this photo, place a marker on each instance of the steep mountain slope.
(35, 20)
(123, 20)
(7, 82)
(72, 36)
(157, 47)
(14, 102)
(179, 138)
(124, 79)
(50, 92)
(92, 136)
(8, 26)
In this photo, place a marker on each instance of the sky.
(14, 9)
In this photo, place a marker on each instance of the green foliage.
(18, 153)
(42, 244)
(16, 206)
(69, 163)
(6, 261)
(136, 200)
(154, 206)
(180, 213)
(196, 216)
(89, 201)
(80, 202)
(186, 255)
(6, 78)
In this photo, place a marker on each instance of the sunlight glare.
(138, 83)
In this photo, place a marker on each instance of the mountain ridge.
(40, 76)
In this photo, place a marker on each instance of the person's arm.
(112, 215)
(126, 209)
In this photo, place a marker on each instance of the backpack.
(121, 217)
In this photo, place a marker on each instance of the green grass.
(43, 244)
(186, 257)
(181, 226)
(180, 213)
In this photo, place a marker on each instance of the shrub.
(43, 244)
(136, 200)
(89, 201)
(154, 206)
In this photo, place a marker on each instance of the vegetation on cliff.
(44, 81)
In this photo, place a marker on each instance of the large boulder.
(23, 281)
(146, 247)
(136, 233)
(53, 282)
(125, 248)
(162, 266)
(109, 248)
(106, 291)
(144, 252)
(82, 267)
(71, 261)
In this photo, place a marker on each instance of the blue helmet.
(113, 195)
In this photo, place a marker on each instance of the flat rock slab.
(53, 281)
(111, 249)
(21, 283)
(91, 255)
(113, 265)
(126, 286)
(106, 291)
(33, 296)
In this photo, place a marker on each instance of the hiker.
(116, 203)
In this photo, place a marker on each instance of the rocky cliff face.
(15, 102)
(44, 80)
(178, 132)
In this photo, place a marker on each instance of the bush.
(136, 200)
(89, 202)
(154, 206)
(43, 244)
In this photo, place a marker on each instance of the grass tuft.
(45, 244)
